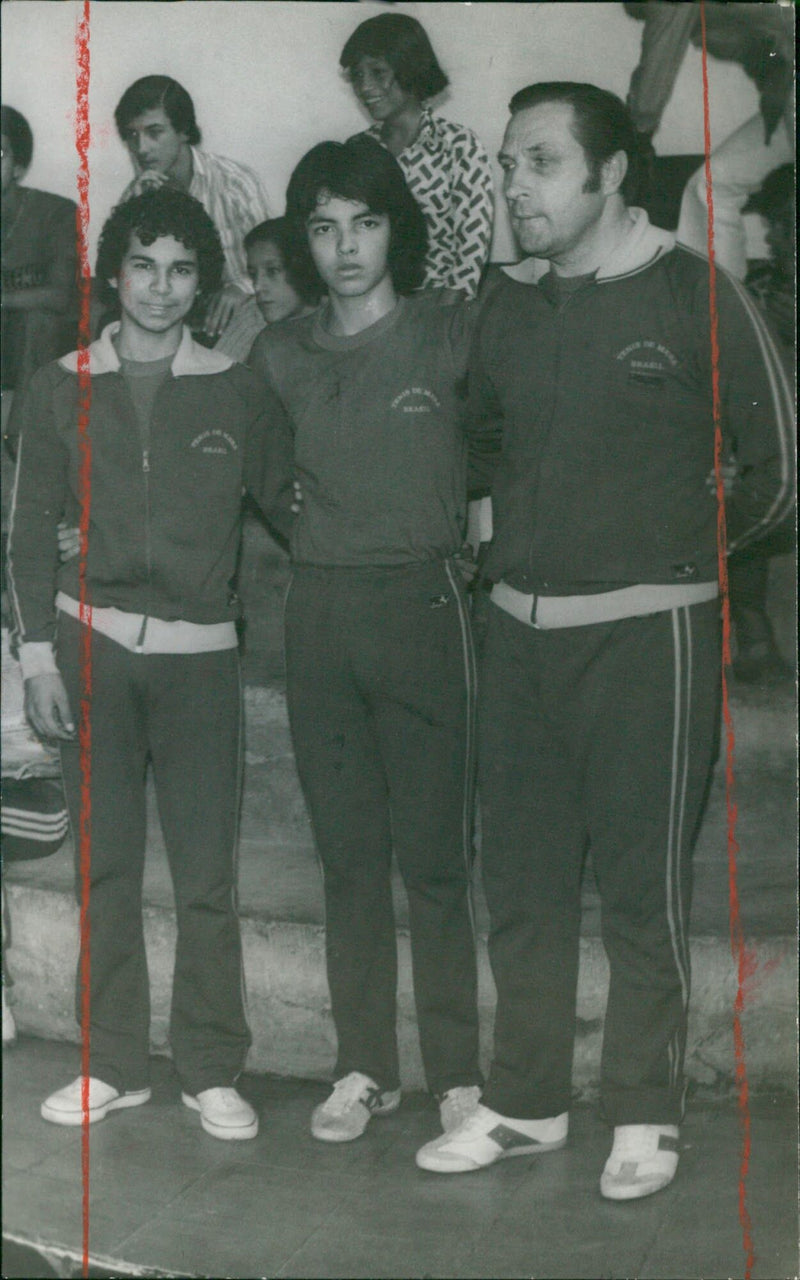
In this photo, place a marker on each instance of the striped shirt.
(234, 199)
(241, 331)
(449, 174)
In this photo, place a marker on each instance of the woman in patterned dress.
(394, 72)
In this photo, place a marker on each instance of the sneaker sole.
(633, 1192)
(539, 1149)
(125, 1100)
(227, 1133)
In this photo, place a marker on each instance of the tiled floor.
(168, 1199)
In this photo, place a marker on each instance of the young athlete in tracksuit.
(591, 407)
(380, 670)
(176, 432)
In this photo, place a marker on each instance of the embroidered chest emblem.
(416, 400)
(648, 362)
(214, 441)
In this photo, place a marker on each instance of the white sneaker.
(643, 1159)
(486, 1136)
(457, 1104)
(9, 1025)
(65, 1106)
(223, 1113)
(355, 1099)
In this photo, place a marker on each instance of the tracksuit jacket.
(165, 512)
(592, 421)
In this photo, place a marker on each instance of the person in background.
(758, 659)
(39, 271)
(379, 661)
(178, 433)
(394, 72)
(590, 388)
(155, 118)
(760, 37)
(280, 292)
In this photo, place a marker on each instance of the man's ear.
(113, 283)
(613, 173)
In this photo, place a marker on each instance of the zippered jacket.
(591, 420)
(164, 513)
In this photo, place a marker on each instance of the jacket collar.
(190, 359)
(640, 248)
(427, 134)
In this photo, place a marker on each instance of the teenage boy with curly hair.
(176, 433)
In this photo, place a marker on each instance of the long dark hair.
(360, 170)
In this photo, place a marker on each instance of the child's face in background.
(277, 299)
(781, 237)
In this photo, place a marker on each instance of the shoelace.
(347, 1091)
(629, 1146)
(227, 1098)
(474, 1123)
(462, 1100)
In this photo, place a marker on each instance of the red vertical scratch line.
(736, 934)
(82, 138)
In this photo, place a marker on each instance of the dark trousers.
(598, 737)
(381, 689)
(183, 712)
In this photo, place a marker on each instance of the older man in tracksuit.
(591, 391)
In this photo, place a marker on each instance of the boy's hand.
(47, 707)
(69, 542)
(728, 472)
(148, 180)
(466, 564)
(221, 309)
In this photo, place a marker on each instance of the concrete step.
(282, 921)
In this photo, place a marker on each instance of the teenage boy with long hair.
(380, 668)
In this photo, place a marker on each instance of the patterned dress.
(450, 177)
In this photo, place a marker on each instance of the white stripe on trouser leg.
(675, 829)
(683, 931)
(470, 677)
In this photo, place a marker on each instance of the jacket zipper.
(556, 376)
(560, 310)
(147, 540)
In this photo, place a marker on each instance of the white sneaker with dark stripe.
(355, 1099)
(486, 1136)
(643, 1159)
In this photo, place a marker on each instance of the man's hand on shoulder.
(47, 707)
(69, 541)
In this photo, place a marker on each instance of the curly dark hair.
(158, 91)
(402, 42)
(163, 212)
(276, 231)
(360, 170)
(18, 133)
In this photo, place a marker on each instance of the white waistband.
(140, 634)
(548, 613)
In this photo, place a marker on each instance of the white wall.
(264, 75)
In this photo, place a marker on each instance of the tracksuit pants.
(381, 683)
(599, 737)
(183, 712)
